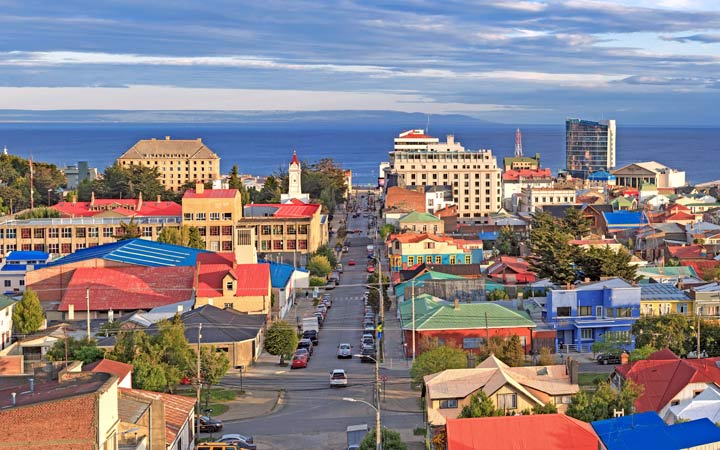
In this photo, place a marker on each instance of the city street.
(312, 414)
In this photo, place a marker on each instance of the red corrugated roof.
(109, 366)
(413, 134)
(177, 410)
(537, 432)
(252, 279)
(126, 207)
(227, 258)
(211, 193)
(128, 288)
(291, 209)
(528, 174)
(688, 251)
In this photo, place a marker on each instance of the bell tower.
(295, 183)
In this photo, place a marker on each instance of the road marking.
(280, 371)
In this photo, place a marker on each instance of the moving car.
(312, 335)
(306, 344)
(351, 262)
(208, 425)
(300, 359)
(338, 377)
(238, 441)
(344, 351)
(608, 358)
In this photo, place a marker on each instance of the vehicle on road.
(346, 249)
(608, 358)
(339, 268)
(207, 425)
(344, 351)
(351, 262)
(370, 268)
(242, 442)
(320, 318)
(693, 354)
(306, 344)
(300, 359)
(367, 354)
(330, 285)
(327, 302)
(355, 435)
(312, 335)
(338, 377)
(370, 329)
(310, 323)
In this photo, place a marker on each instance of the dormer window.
(229, 285)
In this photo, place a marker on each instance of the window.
(65, 249)
(53, 232)
(214, 216)
(623, 312)
(265, 245)
(200, 216)
(11, 233)
(107, 232)
(215, 231)
(278, 244)
(290, 244)
(674, 402)
(469, 343)
(452, 259)
(226, 246)
(682, 308)
(584, 310)
(79, 232)
(620, 336)
(54, 248)
(147, 231)
(22, 282)
(468, 259)
(202, 231)
(227, 231)
(38, 233)
(564, 311)
(438, 260)
(428, 259)
(291, 229)
(187, 216)
(227, 216)
(25, 233)
(93, 232)
(507, 401)
(67, 232)
(7, 283)
(449, 403)
(277, 229)
(228, 306)
(429, 245)
(303, 229)
(302, 244)
(586, 333)
(411, 260)
(265, 229)
(229, 285)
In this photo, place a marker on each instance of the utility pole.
(87, 303)
(198, 385)
(413, 319)
(382, 305)
(698, 334)
(378, 430)
(487, 330)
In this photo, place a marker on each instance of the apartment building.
(589, 146)
(473, 176)
(214, 212)
(178, 161)
(532, 198)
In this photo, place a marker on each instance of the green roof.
(444, 316)
(670, 271)
(623, 201)
(415, 217)
(5, 301)
(423, 304)
(419, 280)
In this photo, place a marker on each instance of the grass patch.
(591, 379)
(216, 395)
(217, 408)
(419, 431)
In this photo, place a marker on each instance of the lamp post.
(49, 192)
(378, 432)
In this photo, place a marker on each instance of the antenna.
(427, 127)
(518, 144)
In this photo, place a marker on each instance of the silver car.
(344, 351)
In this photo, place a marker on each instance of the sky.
(637, 61)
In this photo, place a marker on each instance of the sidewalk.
(252, 405)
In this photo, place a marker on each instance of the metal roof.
(136, 251)
(661, 291)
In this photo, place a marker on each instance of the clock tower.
(295, 183)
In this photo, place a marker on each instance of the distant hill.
(400, 119)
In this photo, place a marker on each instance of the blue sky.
(641, 62)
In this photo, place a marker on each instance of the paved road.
(314, 415)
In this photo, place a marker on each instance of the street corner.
(254, 404)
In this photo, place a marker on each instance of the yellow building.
(657, 299)
(178, 161)
(214, 212)
(511, 389)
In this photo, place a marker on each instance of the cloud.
(667, 81)
(703, 38)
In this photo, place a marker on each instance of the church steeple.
(294, 159)
(295, 182)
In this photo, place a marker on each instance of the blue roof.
(662, 291)
(27, 255)
(647, 430)
(601, 175)
(136, 251)
(16, 267)
(488, 235)
(626, 219)
(280, 273)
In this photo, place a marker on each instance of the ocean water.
(261, 149)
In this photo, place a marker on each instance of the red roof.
(688, 252)
(109, 366)
(178, 409)
(216, 258)
(680, 215)
(515, 264)
(413, 134)
(252, 279)
(516, 174)
(294, 158)
(663, 375)
(675, 207)
(537, 432)
(211, 193)
(126, 207)
(127, 288)
(291, 209)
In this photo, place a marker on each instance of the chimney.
(14, 394)
(158, 199)
(179, 308)
(71, 312)
(456, 306)
(32, 384)
(199, 140)
(139, 203)
(92, 198)
(624, 358)
(167, 138)
(199, 187)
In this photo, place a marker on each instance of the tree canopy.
(85, 350)
(508, 242)
(480, 406)
(668, 330)
(436, 360)
(15, 186)
(604, 401)
(281, 340)
(28, 314)
(391, 440)
(319, 266)
(186, 236)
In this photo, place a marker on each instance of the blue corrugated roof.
(137, 251)
(662, 291)
(625, 218)
(27, 255)
(280, 273)
(647, 430)
(601, 176)
(488, 235)
(13, 267)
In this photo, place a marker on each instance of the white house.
(17, 264)
(6, 323)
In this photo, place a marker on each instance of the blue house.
(647, 430)
(17, 264)
(618, 221)
(601, 310)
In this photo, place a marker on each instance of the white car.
(338, 377)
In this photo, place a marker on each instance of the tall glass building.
(589, 146)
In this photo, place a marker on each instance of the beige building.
(178, 161)
(214, 212)
(473, 176)
(532, 198)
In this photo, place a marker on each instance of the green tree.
(374, 295)
(437, 360)
(608, 345)
(270, 192)
(507, 242)
(213, 366)
(327, 252)
(391, 440)
(711, 274)
(386, 230)
(576, 224)
(170, 235)
(235, 182)
(85, 350)
(319, 266)
(185, 236)
(604, 401)
(513, 353)
(28, 313)
(547, 408)
(281, 340)
(480, 406)
(642, 353)
(596, 263)
(668, 330)
(553, 256)
(130, 230)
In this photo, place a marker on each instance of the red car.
(300, 360)
(370, 269)
(351, 262)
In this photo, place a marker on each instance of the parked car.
(300, 359)
(306, 344)
(327, 302)
(339, 268)
(312, 335)
(346, 249)
(608, 358)
(322, 308)
(216, 446)
(338, 377)
(370, 268)
(248, 439)
(344, 351)
(330, 285)
(320, 317)
(351, 262)
(238, 441)
(367, 354)
(208, 425)
(370, 329)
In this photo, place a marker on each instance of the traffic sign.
(384, 378)
(379, 335)
(379, 328)
(316, 292)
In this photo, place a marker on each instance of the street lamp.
(378, 438)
